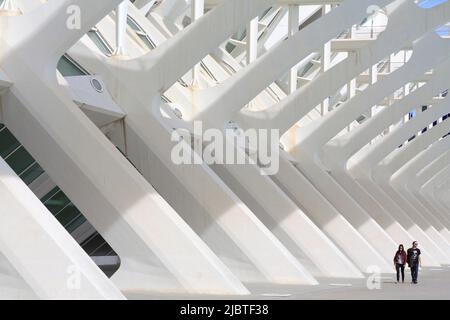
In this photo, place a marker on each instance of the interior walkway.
(434, 284)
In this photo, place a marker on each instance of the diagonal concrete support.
(158, 249)
(33, 240)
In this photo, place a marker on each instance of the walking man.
(414, 261)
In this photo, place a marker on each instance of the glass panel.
(102, 250)
(264, 13)
(132, 24)
(141, 33)
(147, 41)
(20, 160)
(93, 243)
(56, 203)
(69, 69)
(72, 226)
(50, 194)
(32, 173)
(8, 143)
(68, 214)
(100, 42)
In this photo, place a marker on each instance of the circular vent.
(97, 85)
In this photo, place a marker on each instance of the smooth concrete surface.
(433, 284)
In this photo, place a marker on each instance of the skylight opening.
(427, 4)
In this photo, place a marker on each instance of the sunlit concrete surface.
(100, 100)
(434, 284)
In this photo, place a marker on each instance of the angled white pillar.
(419, 218)
(393, 163)
(425, 195)
(402, 134)
(435, 192)
(326, 61)
(285, 114)
(216, 110)
(223, 102)
(434, 195)
(43, 253)
(414, 187)
(252, 40)
(373, 77)
(200, 184)
(202, 50)
(351, 92)
(310, 143)
(400, 180)
(293, 17)
(226, 209)
(351, 85)
(330, 126)
(197, 10)
(121, 28)
(166, 253)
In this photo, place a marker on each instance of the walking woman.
(399, 262)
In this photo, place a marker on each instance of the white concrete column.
(158, 250)
(286, 113)
(326, 61)
(293, 17)
(252, 40)
(197, 10)
(149, 148)
(351, 85)
(43, 253)
(351, 92)
(373, 77)
(391, 97)
(121, 28)
(405, 89)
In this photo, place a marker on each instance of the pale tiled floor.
(434, 283)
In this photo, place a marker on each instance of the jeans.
(414, 272)
(400, 267)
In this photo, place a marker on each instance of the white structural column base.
(34, 242)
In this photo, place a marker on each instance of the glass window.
(96, 245)
(72, 226)
(32, 173)
(68, 214)
(20, 160)
(69, 68)
(140, 33)
(100, 42)
(8, 143)
(57, 202)
(49, 195)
